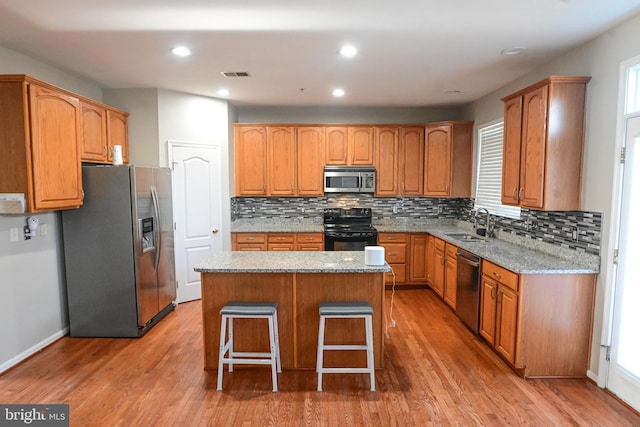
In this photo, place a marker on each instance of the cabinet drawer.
(251, 238)
(392, 238)
(395, 253)
(502, 275)
(310, 238)
(451, 250)
(439, 244)
(281, 238)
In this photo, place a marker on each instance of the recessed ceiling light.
(513, 50)
(223, 92)
(181, 51)
(338, 92)
(348, 51)
(453, 92)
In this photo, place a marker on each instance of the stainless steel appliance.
(349, 179)
(468, 289)
(348, 229)
(119, 254)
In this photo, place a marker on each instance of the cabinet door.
(360, 145)
(438, 269)
(488, 304)
(93, 119)
(418, 257)
(511, 151)
(55, 139)
(437, 167)
(336, 146)
(450, 279)
(251, 161)
(431, 258)
(506, 323)
(386, 149)
(117, 134)
(282, 161)
(310, 154)
(534, 118)
(411, 160)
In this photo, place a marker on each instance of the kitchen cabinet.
(544, 144)
(499, 309)
(450, 275)
(249, 241)
(411, 153)
(251, 156)
(117, 134)
(437, 279)
(387, 161)
(280, 242)
(541, 324)
(101, 129)
(282, 161)
(310, 160)
(418, 258)
(309, 242)
(277, 241)
(395, 253)
(349, 145)
(40, 151)
(448, 159)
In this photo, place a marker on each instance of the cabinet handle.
(308, 238)
(521, 193)
(251, 238)
(392, 254)
(497, 275)
(280, 238)
(493, 293)
(515, 192)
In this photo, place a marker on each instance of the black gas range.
(348, 229)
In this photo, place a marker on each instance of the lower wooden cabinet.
(277, 241)
(437, 279)
(541, 324)
(450, 275)
(395, 253)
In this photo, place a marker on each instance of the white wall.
(32, 287)
(600, 59)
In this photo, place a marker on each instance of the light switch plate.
(14, 234)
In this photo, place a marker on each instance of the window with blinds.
(489, 180)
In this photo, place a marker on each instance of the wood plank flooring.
(435, 372)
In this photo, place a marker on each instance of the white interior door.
(624, 369)
(197, 211)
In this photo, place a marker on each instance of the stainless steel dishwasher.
(468, 289)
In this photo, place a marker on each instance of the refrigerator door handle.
(158, 227)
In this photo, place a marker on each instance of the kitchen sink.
(466, 237)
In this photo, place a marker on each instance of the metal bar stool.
(249, 310)
(346, 310)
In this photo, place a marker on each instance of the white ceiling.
(411, 52)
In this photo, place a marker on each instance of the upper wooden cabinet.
(251, 156)
(399, 154)
(101, 128)
(543, 144)
(279, 160)
(40, 145)
(448, 159)
(349, 145)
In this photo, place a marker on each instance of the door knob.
(215, 230)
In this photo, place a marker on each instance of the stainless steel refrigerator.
(118, 250)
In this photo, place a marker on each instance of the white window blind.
(489, 180)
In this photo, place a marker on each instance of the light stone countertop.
(288, 262)
(515, 253)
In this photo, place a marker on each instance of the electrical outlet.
(14, 234)
(43, 229)
(574, 233)
(395, 209)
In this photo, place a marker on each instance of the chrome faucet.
(488, 224)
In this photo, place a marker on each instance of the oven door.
(344, 241)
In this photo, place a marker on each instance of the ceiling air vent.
(235, 74)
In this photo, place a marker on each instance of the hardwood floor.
(435, 372)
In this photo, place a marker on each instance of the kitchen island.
(298, 281)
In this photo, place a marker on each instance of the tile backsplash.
(578, 230)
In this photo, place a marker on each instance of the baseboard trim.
(593, 377)
(28, 353)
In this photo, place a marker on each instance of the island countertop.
(288, 262)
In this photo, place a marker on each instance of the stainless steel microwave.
(349, 179)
